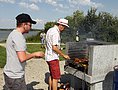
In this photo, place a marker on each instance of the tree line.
(102, 26)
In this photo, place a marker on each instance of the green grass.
(34, 48)
(37, 47)
(2, 56)
(30, 48)
(63, 50)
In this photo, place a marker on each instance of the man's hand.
(66, 56)
(58, 51)
(38, 54)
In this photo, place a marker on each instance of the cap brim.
(33, 22)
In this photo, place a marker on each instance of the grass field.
(2, 56)
(34, 48)
(37, 47)
(30, 48)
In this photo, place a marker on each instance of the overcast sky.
(50, 10)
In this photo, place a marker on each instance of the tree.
(74, 22)
(90, 22)
(102, 26)
(108, 29)
(48, 25)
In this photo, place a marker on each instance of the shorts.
(14, 84)
(54, 69)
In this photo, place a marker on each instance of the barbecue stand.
(98, 74)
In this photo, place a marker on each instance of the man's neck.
(19, 29)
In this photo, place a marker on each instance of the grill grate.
(79, 53)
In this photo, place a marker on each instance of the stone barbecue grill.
(91, 61)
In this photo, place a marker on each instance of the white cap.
(63, 22)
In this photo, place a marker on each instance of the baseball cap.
(63, 22)
(24, 18)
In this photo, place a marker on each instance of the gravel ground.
(36, 74)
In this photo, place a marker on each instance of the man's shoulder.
(53, 30)
(13, 33)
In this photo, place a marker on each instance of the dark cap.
(24, 18)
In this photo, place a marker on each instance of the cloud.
(54, 3)
(51, 2)
(59, 5)
(90, 3)
(85, 3)
(35, 1)
(8, 1)
(31, 6)
(34, 7)
(40, 21)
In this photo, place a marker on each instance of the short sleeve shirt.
(52, 38)
(15, 42)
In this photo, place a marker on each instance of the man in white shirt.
(14, 70)
(53, 51)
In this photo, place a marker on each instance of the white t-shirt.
(52, 38)
(15, 42)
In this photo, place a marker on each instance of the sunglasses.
(29, 25)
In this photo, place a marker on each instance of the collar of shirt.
(57, 28)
